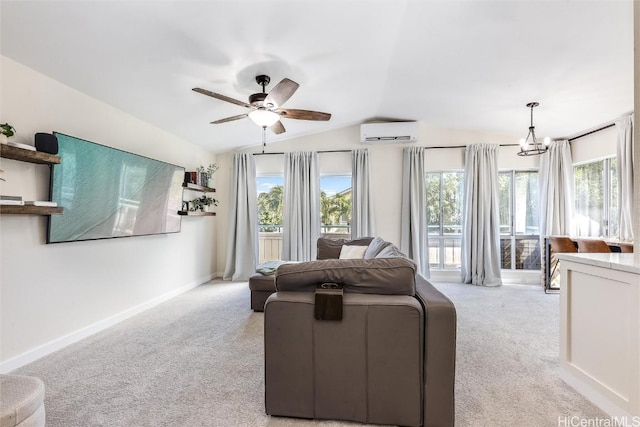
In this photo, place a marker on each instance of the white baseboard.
(59, 343)
(600, 401)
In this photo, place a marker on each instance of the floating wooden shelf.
(30, 210)
(196, 187)
(196, 213)
(16, 153)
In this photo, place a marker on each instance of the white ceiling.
(455, 64)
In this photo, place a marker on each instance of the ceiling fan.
(265, 108)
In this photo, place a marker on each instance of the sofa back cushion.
(385, 276)
(330, 248)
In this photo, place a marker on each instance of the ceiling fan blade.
(304, 114)
(277, 127)
(280, 93)
(220, 97)
(230, 119)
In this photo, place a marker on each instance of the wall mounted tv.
(109, 193)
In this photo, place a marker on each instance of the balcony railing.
(270, 238)
(445, 252)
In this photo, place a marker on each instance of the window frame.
(323, 226)
(608, 193)
(513, 236)
(441, 237)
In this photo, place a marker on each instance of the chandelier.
(530, 146)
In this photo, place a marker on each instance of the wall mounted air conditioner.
(391, 132)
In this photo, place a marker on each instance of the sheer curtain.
(362, 222)
(625, 176)
(413, 238)
(481, 218)
(242, 244)
(556, 190)
(301, 222)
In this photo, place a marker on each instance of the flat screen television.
(107, 193)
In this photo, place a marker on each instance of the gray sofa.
(389, 360)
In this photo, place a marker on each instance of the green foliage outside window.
(334, 209)
(270, 209)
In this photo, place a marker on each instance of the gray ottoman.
(21, 401)
(261, 287)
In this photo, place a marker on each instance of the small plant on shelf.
(7, 130)
(201, 202)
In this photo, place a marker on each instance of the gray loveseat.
(389, 360)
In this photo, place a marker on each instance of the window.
(444, 218)
(335, 205)
(519, 229)
(270, 203)
(596, 198)
(270, 211)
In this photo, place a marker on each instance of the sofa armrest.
(440, 354)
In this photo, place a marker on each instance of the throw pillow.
(376, 245)
(390, 251)
(353, 252)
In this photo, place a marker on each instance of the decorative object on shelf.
(46, 143)
(46, 203)
(11, 200)
(207, 176)
(201, 202)
(21, 145)
(530, 146)
(6, 131)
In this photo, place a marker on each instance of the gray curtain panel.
(242, 244)
(413, 237)
(362, 222)
(625, 176)
(555, 177)
(481, 218)
(301, 222)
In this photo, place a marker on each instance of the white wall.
(52, 294)
(386, 163)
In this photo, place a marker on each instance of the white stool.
(21, 401)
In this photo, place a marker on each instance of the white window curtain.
(481, 219)
(556, 190)
(625, 176)
(301, 219)
(413, 238)
(362, 221)
(242, 246)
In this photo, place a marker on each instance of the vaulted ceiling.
(456, 64)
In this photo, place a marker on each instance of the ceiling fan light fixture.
(530, 146)
(264, 118)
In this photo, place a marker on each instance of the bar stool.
(559, 244)
(593, 246)
(626, 248)
(562, 244)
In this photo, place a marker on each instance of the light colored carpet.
(197, 360)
